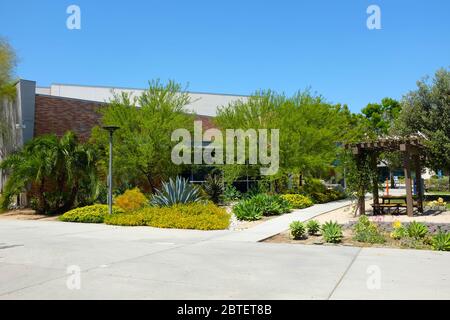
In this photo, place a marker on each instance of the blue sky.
(234, 46)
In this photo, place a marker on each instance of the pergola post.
(419, 188)
(362, 191)
(373, 166)
(409, 197)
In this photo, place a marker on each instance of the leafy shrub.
(367, 231)
(198, 216)
(298, 230)
(131, 200)
(441, 241)
(214, 188)
(332, 232)
(417, 230)
(399, 231)
(247, 210)
(231, 193)
(327, 196)
(313, 227)
(89, 214)
(173, 192)
(271, 204)
(314, 186)
(318, 192)
(260, 205)
(437, 185)
(298, 201)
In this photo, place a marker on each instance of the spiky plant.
(174, 192)
(214, 188)
(441, 241)
(332, 232)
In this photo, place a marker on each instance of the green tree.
(7, 65)
(380, 117)
(142, 145)
(427, 110)
(57, 173)
(310, 128)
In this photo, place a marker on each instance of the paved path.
(279, 224)
(149, 263)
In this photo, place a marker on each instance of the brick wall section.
(58, 115)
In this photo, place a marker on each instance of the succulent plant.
(332, 232)
(174, 192)
(441, 241)
(214, 188)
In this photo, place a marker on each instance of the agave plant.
(441, 241)
(174, 192)
(332, 232)
(417, 230)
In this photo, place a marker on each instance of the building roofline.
(69, 98)
(104, 103)
(131, 88)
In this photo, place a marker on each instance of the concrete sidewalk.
(37, 260)
(279, 224)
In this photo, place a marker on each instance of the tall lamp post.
(111, 130)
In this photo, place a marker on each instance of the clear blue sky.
(234, 46)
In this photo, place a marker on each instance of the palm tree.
(57, 173)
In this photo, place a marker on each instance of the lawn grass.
(438, 193)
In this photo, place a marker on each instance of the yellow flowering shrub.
(131, 200)
(396, 224)
(89, 214)
(399, 231)
(201, 216)
(298, 201)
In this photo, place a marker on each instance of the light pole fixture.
(111, 130)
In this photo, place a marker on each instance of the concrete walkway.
(48, 259)
(279, 224)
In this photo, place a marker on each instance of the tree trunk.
(150, 181)
(391, 177)
(42, 207)
(71, 201)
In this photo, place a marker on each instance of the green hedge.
(182, 216)
(89, 214)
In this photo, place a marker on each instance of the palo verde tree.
(427, 110)
(142, 145)
(309, 128)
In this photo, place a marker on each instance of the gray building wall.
(16, 121)
(26, 91)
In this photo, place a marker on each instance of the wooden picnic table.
(387, 198)
(388, 205)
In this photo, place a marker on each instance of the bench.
(378, 208)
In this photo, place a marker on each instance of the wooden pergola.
(413, 155)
